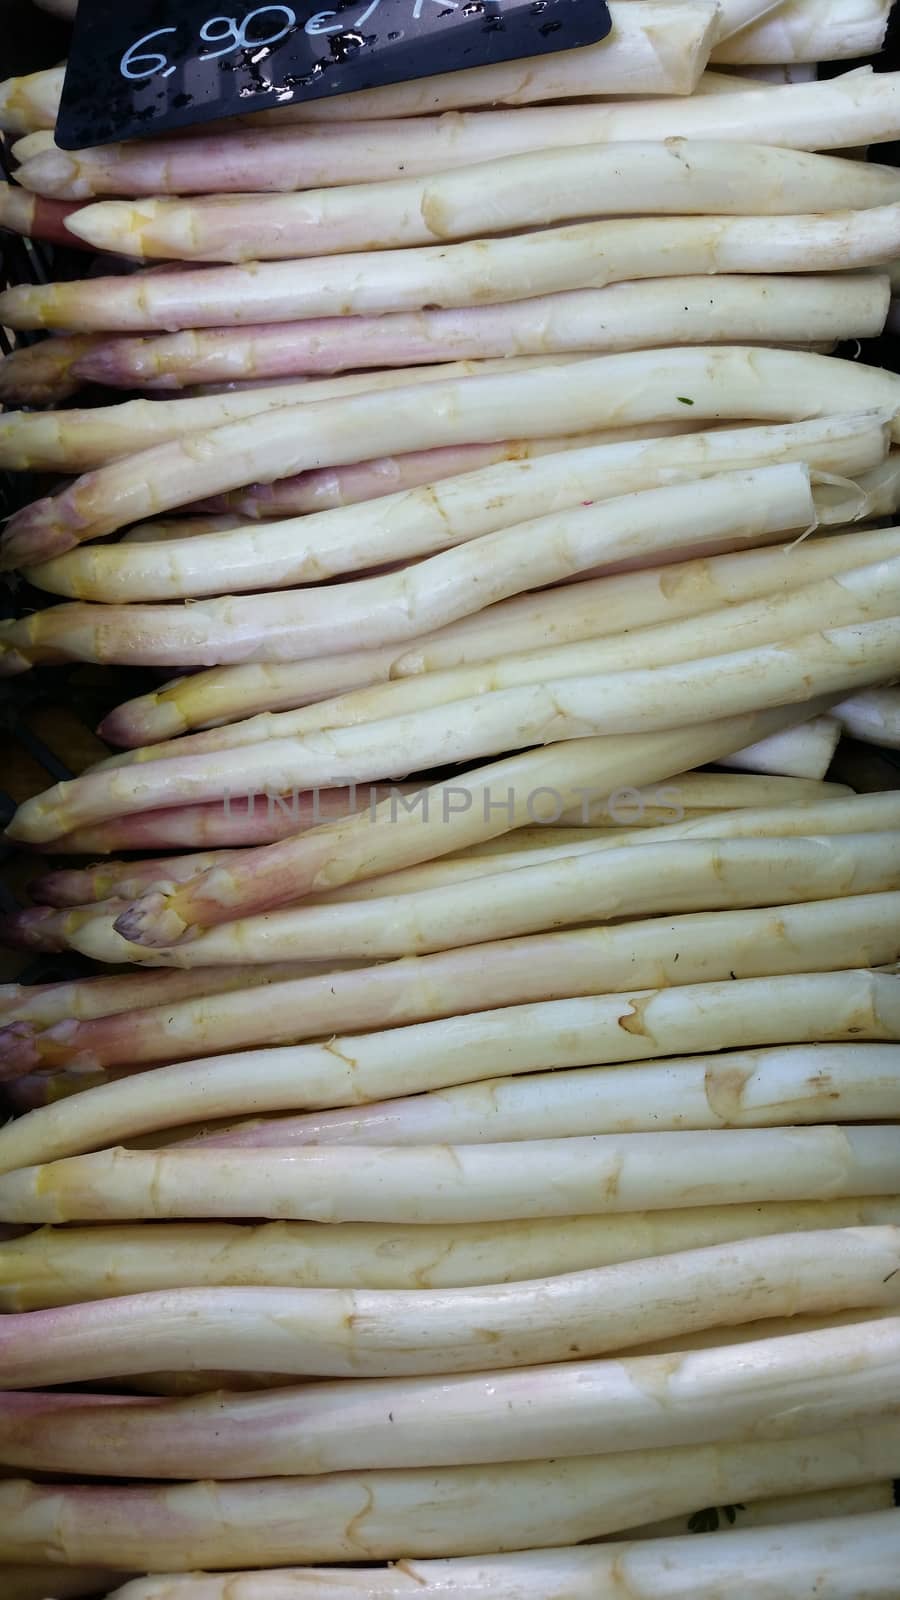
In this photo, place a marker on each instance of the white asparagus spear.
(741, 1088)
(54, 1267)
(655, 48)
(737, 14)
(384, 1333)
(675, 177)
(33, 144)
(633, 816)
(77, 439)
(377, 1066)
(460, 1183)
(83, 998)
(53, 925)
(721, 511)
(757, 309)
(30, 102)
(641, 386)
(694, 874)
(873, 717)
(829, 1558)
(278, 288)
(862, 594)
(811, 814)
(596, 607)
(806, 751)
(450, 1510)
(859, 930)
(266, 819)
(608, 604)
(450, 511)
(859, 108)
(330, 487)
(775, 1513)
(780, 675)
(35, 217)
(43, 373)
(394, 836)
(457, 910)
(809, 30)
(774, 1389)
(60, 440)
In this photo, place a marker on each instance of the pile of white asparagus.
(472, 1167)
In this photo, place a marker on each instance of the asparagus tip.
(52, 889)
(18, 1050)
(146, 720)
(33, 535)
(12, 661)
(35, 928)
(152, 920)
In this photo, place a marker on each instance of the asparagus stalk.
(451, 511)
(721, 511)
(584, 1313)
(857, 109)
(623, 316)
(52, 1267)
(777, 1388)
(268, 819)
(809, 30)
(623, 600)
(688, 804)
(43, 373)
(776, 675)
(751, 1088)
(36, 217)
(394, 836)
(33, 144)
(31, 102)
(873, 717)
(722, 382)
(451, 1510)
(81, 999)
(843, 1553)
(805, 751)
(860, 930)
(775, 1513)
(862, 594)
(256, 819)
(677, 177)
(453, 909)
(64, 440)
(460, 1183)
(728, 381)
(737, 1014)
(328, 488)
(370, 480)
(694, 874)
(632, 599)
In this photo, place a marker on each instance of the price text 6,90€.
(258, 30)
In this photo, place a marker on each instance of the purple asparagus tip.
(151, 921)
(18, 1052)
(35, 928)
(34, 535)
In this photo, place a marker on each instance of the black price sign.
(154, 65)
